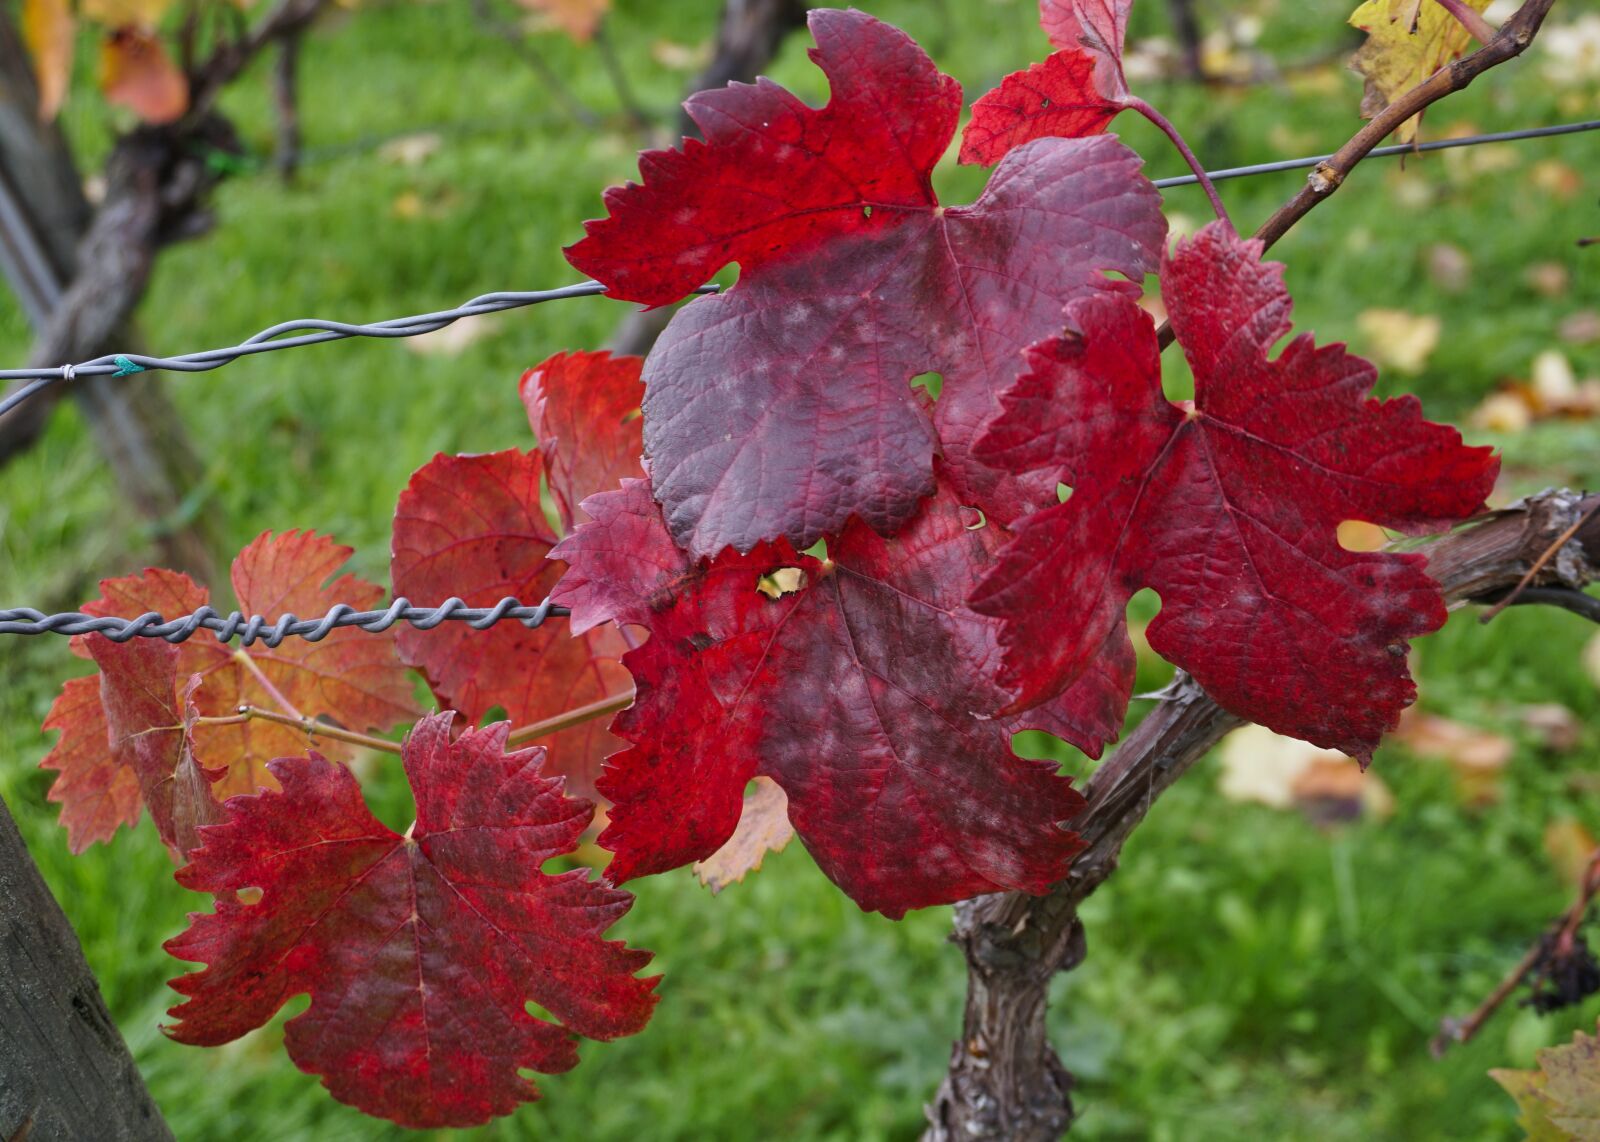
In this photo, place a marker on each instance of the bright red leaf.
(784, 406)
(855, 683)
(1074, 92)
(1228, 508)
(420, 952)
(351, 676)
(474, 526)
(584, 409)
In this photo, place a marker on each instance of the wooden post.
(65, 1072)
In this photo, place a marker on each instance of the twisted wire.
(255, 628)
(314, 331)
(311, 330)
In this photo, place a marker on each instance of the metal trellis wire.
(312, 331)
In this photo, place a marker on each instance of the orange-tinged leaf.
(1405, 45)
(48, 30)
(96, 795)
(763, 828)
(137, 73)
(579, 19)
(351, 676)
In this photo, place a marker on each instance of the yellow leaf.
(1569, 846)
(125, 13)
(47, 28)
(579, 19)
(1560, 1102)
(763, 827)
(1399, 340)
(1400, 53)
(135, 72)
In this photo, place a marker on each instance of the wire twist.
(249, 629)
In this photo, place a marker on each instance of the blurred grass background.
(1251, 974)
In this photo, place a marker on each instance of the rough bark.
(1186, 30)
(65, 1073)
(49, 233)
(1004, 1080)
(286, 106)
(749, 34)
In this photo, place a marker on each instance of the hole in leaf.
(389, 801)
(250, 894)
(930, 383)
(866, 211)
(783, 581)
(973, 518)
(1063, 493)
(491, 715)
(1359, 535)
(542, 1013)
(1177, 382)
(1044, 104)
(818, 550)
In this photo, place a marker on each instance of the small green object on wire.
(125, 367)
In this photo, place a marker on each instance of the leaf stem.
(573, 717)
(1166, 127)
(312, 727)
(1452, 1031)
(1470, 19)
(250, 666)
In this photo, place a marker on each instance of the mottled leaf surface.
(859, 692)
(420, 952)
(1228, 508)
(784, 407)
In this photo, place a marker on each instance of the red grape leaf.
(1075, 91)
(784, 406)
(1228, 508)
(474, 527)
(151, 731)
(858, 692)
(584, 409)
(351, 676)
(420, 952)
(95, 795)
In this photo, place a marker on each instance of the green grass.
(1250, 975)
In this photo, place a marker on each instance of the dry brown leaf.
(137, 73)
(1581, 328)
(1478, 757)
(48, 30)
(1558, 728)
(763, 827)
(1401, 52)
(1333, 789)
(579, 19)
(1449, 267)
